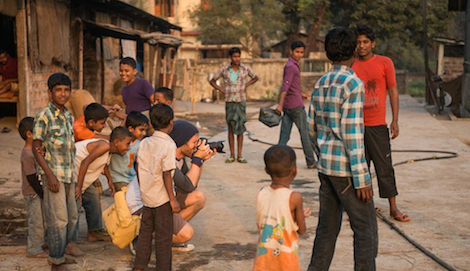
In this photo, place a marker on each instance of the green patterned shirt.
(55, 129)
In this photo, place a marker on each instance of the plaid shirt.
(336, 125)
(55, 129)
(235, 92)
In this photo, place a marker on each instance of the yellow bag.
(122, 226)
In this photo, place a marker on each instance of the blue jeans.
(92, 205)
(36, 232)
(61, 217)
(336, 194)
(299, 117)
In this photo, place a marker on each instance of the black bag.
(269, 117)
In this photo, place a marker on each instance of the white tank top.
(95, 168)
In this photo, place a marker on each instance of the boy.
(122, 167)
(280, 213)
(236, 79)
(53, 130)
(32, 191)
(164, 95)
(138, 93)
(156, 162)
(92, 121)
(91, 157)
(291, 101)
(378, 74)
(337, 131)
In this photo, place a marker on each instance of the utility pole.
(465, 106)
(425, 48)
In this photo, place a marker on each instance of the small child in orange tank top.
(280, 214)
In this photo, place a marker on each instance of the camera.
(218, 145)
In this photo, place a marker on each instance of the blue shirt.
(122, 166)
(336, 125)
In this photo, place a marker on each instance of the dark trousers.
(160, 221)
(336, 194)
(377, 143)
(299, 117)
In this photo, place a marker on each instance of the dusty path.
(434, 193)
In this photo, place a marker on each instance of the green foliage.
(416, 88)
(247, 22)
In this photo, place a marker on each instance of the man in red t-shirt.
(8, 73)
(378, 75)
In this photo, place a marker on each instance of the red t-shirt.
(378, 75)
(9, 70)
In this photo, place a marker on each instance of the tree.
(247, 22)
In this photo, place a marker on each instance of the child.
(138, 93)
(164, 95)
(92, 121)
(337, 132)
(156, 162)
(122, 167)
(91, 157)
(291, 102)
(53, 130)
(32, 191)
(280, 214)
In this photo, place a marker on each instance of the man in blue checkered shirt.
(337, 130)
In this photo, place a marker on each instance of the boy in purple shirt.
(291, 102)
(138, 93)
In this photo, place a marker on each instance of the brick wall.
(453, 66)
(38, 95)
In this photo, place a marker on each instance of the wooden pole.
(173, 67)
(156, 66)
(80, 54)
(193, 89)
(165, 59)
(102, 69)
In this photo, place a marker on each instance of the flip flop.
(242, 160)
(401, 218)
(230, 160)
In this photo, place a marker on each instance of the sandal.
(242, 160)
(230, 160)
(401, 218)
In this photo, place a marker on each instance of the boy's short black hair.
(279, 160)
(340, 44)
(3, 51)
(95, 112)
(135, 118)
(296, 44)
(119, 133)
(161, 116)
(365, 30)
(26, 125)
(128, 61)
(166, 92)
(234, 50)
(58, 79)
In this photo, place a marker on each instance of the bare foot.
(73, 250)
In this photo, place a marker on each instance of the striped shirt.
(336, 125)
(55, 129)
(235, 92)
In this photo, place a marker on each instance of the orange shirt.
(81, 131)
(378, 75)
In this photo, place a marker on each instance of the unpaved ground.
(433, 193)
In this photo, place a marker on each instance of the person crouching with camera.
(186, 178)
